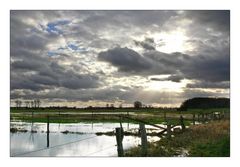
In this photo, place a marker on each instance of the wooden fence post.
(203, 118)
(168, 130)
(223, 115)
(119, 138)
(164, 116)
(194, 119)
(32, 121)
(212, 116)
(143, 139)
(206, 117)
(47, 131)
(182, 123)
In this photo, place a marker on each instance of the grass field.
(151, 115)
(205, 140)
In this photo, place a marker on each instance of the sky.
(83, 58)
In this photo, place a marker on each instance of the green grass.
(217, 148)
(151, 115)
(205, 140)
(74, 118)
(142, 110)
(84, 110)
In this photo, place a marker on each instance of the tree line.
(205, 103)
(28, 104)
(197, 102)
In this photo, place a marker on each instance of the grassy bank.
(153, 116)
(75, 118)
(156, 111)
(205, 140)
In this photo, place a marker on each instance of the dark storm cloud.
(217, 19)
(191, 93)
(26, 65)
(170, 62)
(173, 78)
(125, 59)
(19, 83)
(209, 68)
(147, 44)
(33, 42)
(38, 82)
(104, 94)
(202, 67)
(48, 75)
(214, 85)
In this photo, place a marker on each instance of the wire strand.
(20, 154)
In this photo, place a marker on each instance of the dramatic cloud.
(217, 19)
(216, 85)
(50, 75)
(202, 67)
(94, 57)
(173, 78)
(147, 44)
(125, 59)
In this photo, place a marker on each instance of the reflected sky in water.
(82, 141)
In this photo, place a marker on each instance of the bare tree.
(16, 103)
(107, 105)
(20, 103)
(35, 103)
(137, 104)
(32, 104)
(38, 102)
(27, 104)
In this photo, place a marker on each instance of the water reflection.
(83, 143)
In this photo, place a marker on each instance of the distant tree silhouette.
(18, 103)
(38, 102)
(90, 107)
(112, 105)
(32, 104)
(35, 103)
(27, 103)
(137, 104)
(204, 103)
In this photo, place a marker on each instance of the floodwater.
(80, 139)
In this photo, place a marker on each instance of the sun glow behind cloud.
(166, 85)
(174, 41)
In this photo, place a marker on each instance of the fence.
(168, 130)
